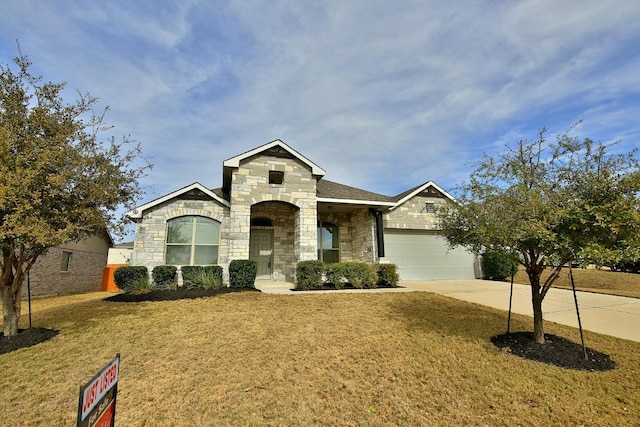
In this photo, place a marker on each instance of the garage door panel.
(426, 256)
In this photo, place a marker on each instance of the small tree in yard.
(551, 203)
(58, 182)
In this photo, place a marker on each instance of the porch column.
(306, 237)
(239, 222)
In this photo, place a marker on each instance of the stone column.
(306, 229)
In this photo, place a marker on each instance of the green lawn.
(252, 359)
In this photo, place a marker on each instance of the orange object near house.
(108, 283)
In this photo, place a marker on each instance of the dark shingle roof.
(333, 190)
(406, 193)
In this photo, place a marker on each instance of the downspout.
(379, 231)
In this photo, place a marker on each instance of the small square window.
(276, 177)
(66, 261)
(430, 207)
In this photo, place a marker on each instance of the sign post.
(97, 401)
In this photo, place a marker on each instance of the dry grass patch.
(599, 281)
(330, 359)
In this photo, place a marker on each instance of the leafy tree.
(58, 181)
(550, 203)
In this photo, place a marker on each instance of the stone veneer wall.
(357, 235)
(412, 215)
(283, 217)
(364, 237)
(84, 275)
(250, 186)
(149, 245)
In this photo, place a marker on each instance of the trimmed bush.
(202, 276)
(498, 265)
(388, 275)
(309, 275)
(335, 274)
(164, 276)
(131, 278)
(242, 273)
(360, 275)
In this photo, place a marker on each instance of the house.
(70, 268)
(276, 208)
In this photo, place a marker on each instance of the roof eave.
(137, 213)
(420, 190)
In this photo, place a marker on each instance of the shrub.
(164, 276)
(129, 278)
(388, 275)
(202, 276)
(142, 284)
(498, 265)
(335, 274)
(309, 275)
(359, 274)
(242, 273)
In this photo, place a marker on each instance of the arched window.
(328, 242)
(192, 240)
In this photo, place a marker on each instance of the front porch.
(344, 233)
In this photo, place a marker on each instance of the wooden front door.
(261, 251)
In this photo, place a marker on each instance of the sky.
(383, 95)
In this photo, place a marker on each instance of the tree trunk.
(11, 309)
(538, 322)
(536, 302)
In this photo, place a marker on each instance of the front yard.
(251, 359)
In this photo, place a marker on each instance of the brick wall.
(84, 275)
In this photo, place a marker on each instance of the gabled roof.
(274, 148)
(138, 212)
(407, 195)
(234, 162)
(329, 191)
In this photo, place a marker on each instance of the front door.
(261, 251)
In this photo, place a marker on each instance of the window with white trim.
(192, 240)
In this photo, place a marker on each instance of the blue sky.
(384, 95)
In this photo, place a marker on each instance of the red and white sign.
(93, 393)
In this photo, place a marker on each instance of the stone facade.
(250, 186)
(275, 189)
(151, 234)
(413, 214)
(356, 233)
(283, 216)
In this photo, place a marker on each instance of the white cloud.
(383, 95)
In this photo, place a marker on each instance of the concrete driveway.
(605, 314)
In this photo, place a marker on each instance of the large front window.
(192, 240)
(328, 242)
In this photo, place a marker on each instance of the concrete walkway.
(605, 314)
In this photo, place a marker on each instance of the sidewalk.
(605, 314)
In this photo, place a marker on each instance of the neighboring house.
(275, 207)
(70, 268)
(120, 253)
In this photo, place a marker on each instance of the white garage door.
(426, 256)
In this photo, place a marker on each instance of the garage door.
(426, 256)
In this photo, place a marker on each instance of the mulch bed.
(25, 338)
(330, 287)
(173, 295)
(556, 351)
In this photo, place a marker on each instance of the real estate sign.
(97, 401)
